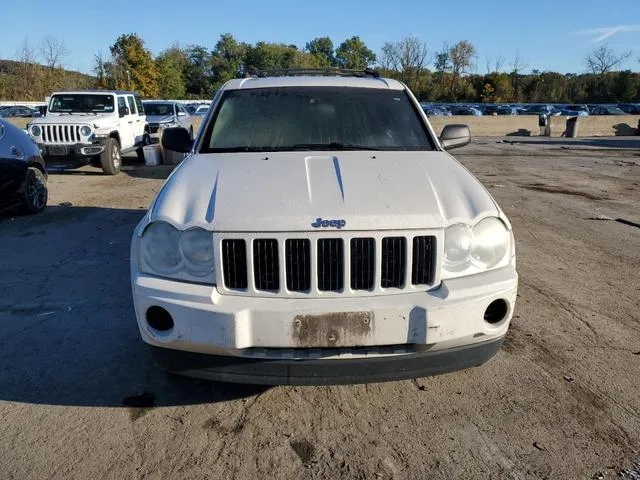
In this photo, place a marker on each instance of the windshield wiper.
(241, 148)
(327, 146)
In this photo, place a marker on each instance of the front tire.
(35, 193)
(111, 158)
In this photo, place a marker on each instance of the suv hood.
(290, 191)
(160, 118)
(75, 118)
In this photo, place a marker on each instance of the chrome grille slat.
(362, 263)
(234, 256)
(298, 258)
(393, 262)
(422, 267)
(266, 264)
(330, 263)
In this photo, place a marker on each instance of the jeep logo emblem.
(320, 223)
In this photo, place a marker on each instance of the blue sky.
(549, 35)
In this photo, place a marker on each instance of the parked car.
(489, 109)
(319, 233)
(606, 110)
(163, 114)
(202, 110)
(506, 111)
(23, 177)
(466, 111)
(92, 125)
(433, 111)
(630, 108)
(18, 112)
(538, 110)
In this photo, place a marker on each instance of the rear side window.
(315, 118)
(132, 105)
(140, 106)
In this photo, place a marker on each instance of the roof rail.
(322, 72)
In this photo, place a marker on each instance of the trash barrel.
(572, 127)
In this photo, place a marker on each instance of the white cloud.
(600, 34)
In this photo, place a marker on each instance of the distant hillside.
(33, 82)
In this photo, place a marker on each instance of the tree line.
(448, 74)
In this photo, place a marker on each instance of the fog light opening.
(496, 311)
(159, 319)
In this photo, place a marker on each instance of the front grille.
(363, 263)
(298, 265)
(330, 265)
(393, 262)
(423, 268)
(266, 267)
(234, 264)
(338, 265)
(61, 134)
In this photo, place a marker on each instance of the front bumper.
(75, 150)
(264, 331)
(325, 372)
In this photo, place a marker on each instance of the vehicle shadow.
(68, 334)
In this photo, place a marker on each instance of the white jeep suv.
(318, 233)
(90, 124)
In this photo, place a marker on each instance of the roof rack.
(322, 72)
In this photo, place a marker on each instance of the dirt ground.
(80, 396)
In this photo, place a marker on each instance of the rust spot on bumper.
(343, 329)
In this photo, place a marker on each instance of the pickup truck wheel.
(35, 191)
(110, 159)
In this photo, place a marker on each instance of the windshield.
(315, 118)
(84, 103)
(158, 109)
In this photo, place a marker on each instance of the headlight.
(85, 130)
(196, 246)
(469, 250)
(188, 255)
(36, 131)
(160, 251)
(490, 243)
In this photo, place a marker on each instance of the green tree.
(228, 59)
(197, 73)
(322, 49)
(354, 54)
(133, 66)
(172, 64)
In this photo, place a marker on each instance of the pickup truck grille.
(61, 134)
(326, 264)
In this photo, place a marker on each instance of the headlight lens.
(85, 130)
(187, 255)
(458, 242)
(160, 244)
(36, 131)
(491, 242)
(469, 250)
(196, 246)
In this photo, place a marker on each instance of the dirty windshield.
(315, 118)
(81, 103)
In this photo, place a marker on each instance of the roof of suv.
(314, 81)
(97, 92)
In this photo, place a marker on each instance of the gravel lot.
(80, 397)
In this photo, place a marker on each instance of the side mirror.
(177, 140)
(123, 111)
(182, 114)
(455, 136)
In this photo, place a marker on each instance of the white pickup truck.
(93, 125)
(319, 232)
